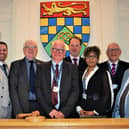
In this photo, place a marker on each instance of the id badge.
(84, 96)
(55, 89)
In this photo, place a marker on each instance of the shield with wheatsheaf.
(62, 20)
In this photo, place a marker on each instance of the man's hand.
(84, 113)
(56, 114)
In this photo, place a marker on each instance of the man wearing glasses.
(57, 84)
(115, 66)
(21, 81)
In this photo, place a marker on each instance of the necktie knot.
(113, 65)
(31, 61)
(75, 61)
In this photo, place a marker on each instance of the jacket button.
(1, 96)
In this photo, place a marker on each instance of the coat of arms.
(62, 20)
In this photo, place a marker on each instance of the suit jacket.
(98, 94)
(81, 67)
(19, 86)
(69, 88)
(116, 112)
(5, 102)
(117, 78)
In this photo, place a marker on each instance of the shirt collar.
(27, 60)
(60, 63)
(93, 71)
(1, 63)
(110, 63)
(72, 57)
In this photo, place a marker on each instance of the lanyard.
(54, 74)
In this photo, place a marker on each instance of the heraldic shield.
(62, 20)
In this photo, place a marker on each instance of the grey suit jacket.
(116, 112)
(69, 88)
(5, 102)
(19, 86)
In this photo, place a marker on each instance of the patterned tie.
(113, 69)
(75, 61)
(54, 85)
(32, 76)
(5, 70)
(122, 101)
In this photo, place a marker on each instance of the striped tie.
(113, 69)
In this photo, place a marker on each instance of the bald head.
(113, 52)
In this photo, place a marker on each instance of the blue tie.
(32, 76)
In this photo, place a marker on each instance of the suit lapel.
(3, 76)
(69, 59)
(47, 70)
(63, 77)
(24, 73)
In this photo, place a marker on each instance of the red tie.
(54, 85)
(113, 69)
(75, 61)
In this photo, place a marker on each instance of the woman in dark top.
(96, 95)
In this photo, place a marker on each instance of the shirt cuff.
(78, 109)
(96, 113)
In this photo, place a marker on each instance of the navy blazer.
(69, 88)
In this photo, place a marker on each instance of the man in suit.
(5, 103)
(115, 66)
(57, 85)
(121, 108)
(21, 80)
(75, 48)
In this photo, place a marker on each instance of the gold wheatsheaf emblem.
(59, 7)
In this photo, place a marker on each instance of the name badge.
(114, 86)
(55, 89)
(84, 96)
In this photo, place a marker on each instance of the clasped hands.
(56, 114)
(84, 113)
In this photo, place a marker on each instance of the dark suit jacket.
(19, 86)
(81, 68)
(117, 78)
(69, 88)
(82, 65)
(98, 94)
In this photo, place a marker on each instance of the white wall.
(109, 22)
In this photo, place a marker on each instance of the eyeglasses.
(115, 50)
(30, 47)
(4, 50)
(91, 57)
(58, 50)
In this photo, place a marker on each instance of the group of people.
(64, 87)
